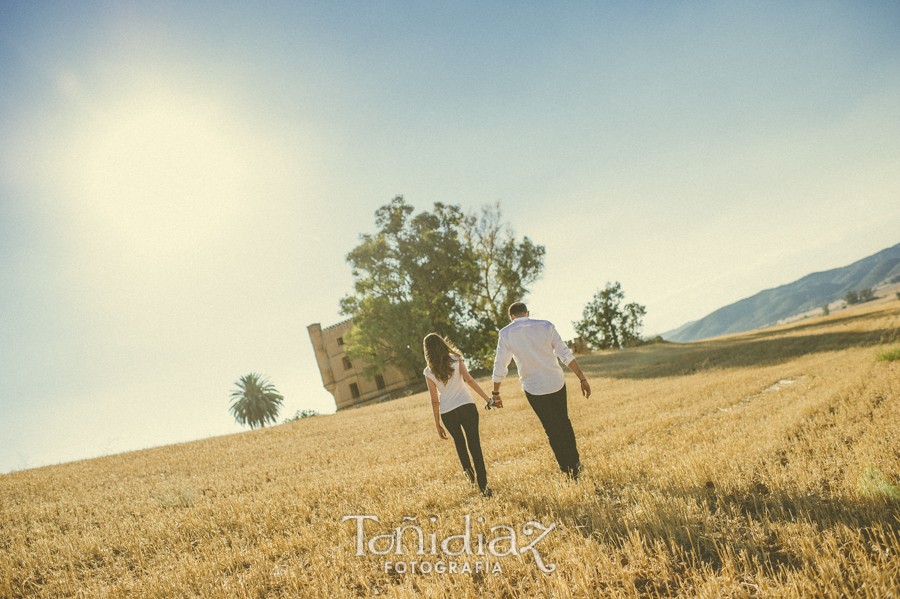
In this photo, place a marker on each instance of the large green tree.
(606, 323)
(255, 401)
(441, 271)
(411, 278)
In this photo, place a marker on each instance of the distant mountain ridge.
(812, 291)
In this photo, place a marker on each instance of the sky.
(180, 182)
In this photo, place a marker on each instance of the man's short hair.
(518, 309)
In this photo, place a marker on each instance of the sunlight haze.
(180, 183)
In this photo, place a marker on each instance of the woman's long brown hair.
(437, 355)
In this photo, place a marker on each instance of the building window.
(354, 390)
(340, 341)
(379, 381)
(347, 363)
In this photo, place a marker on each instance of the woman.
(452, 402)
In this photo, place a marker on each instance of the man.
(536, 345)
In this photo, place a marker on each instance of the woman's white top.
(455, 393)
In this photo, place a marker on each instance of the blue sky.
(180, 183)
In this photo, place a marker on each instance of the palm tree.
(255, 401)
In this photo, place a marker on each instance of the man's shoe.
(487, 492)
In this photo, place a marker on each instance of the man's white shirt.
(535, 345)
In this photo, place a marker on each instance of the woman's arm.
(436, 407)
(472, 383)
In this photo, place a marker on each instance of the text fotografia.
(502, 542)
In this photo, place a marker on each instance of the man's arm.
(501, 363)
(585, 385)
(562, 351)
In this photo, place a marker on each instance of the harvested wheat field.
(758, 465)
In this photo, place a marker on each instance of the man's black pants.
(465, 418)
(553, 411)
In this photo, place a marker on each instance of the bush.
(873, 483)
(888, 355)
(302, 414)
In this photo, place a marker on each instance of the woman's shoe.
(487, 492)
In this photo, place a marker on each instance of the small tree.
(867, 294)
(255, 402)
(851, 298)
(825, 310)
(606, 324)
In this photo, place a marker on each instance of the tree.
(506, 268)
(606, 324)
(858, 297)
(441, 271)
(411, 279)
(255, 402)
(825, 310)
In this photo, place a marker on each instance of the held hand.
(586, 389)
(441, 432)
(498, 403)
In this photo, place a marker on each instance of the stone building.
(578, 346)
(343, 377)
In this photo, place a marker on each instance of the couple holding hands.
(535, 345)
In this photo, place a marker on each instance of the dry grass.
(759, 465)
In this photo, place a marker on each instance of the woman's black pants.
(465, 418)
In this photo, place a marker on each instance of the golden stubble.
(724, 468)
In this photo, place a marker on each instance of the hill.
(812, 291)
(754, 465)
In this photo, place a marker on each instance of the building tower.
(343, 377)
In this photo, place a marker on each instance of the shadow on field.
(757, 349)
(703, 528)
(832, 321)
